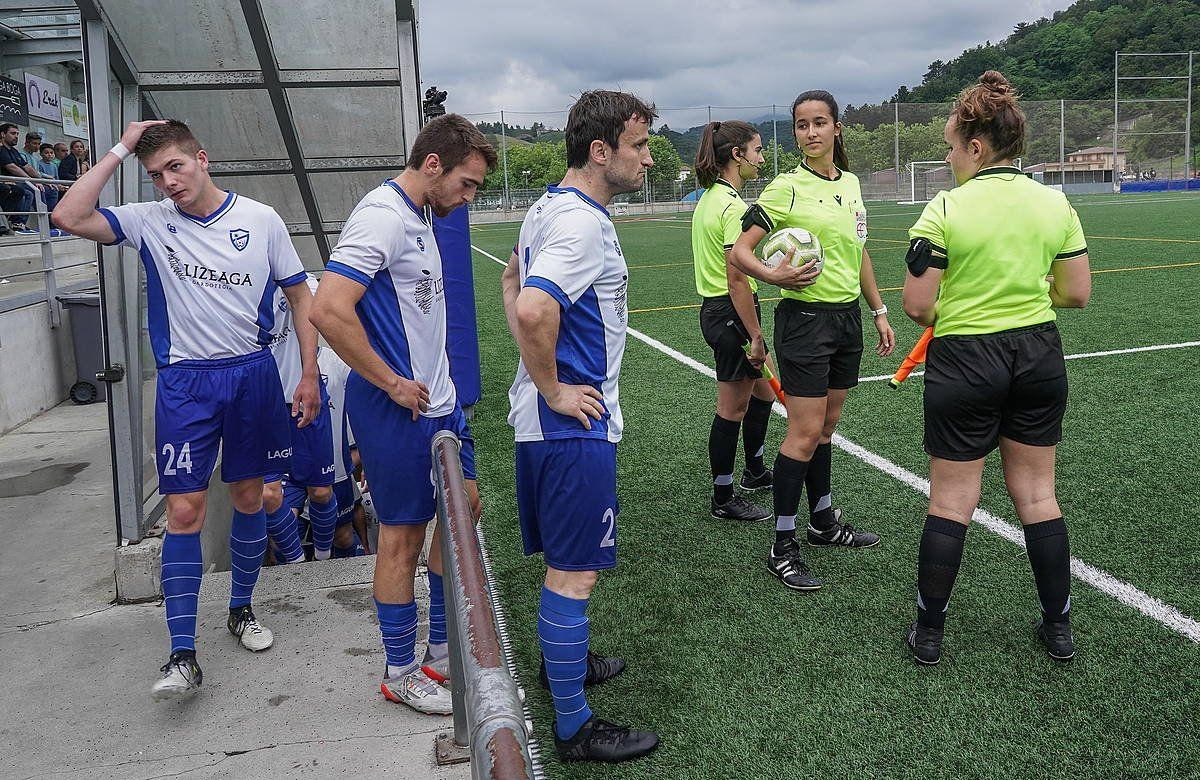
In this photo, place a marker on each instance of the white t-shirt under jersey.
(568, 248)
(210, 281)
(387, 246)
(285, 345)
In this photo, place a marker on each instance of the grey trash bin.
(84, 307)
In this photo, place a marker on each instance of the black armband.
(756, 217)
(923, 254)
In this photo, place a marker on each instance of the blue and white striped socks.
(563, 632)
(323, 518)
(182, 567)
(247, 545)
(437, 612)
(282, 528)
(398, 626)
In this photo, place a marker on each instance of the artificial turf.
(742, 678)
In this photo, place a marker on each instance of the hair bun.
(994, 81)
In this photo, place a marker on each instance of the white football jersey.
(285, 345)
(335, 372)
(210, 281)
(387, 246)
(568, 248)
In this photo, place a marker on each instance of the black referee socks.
(819, 483)
(754, 432)
(789, 486)
(1050, 556)
(937, 567)
(722, 451)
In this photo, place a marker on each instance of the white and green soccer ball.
(806, 243)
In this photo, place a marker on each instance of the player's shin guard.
(247, 545)
(437, 609)
(323, 517)
(563, 632)
(281, 527)
(398, 627)
(789, 486)
(1050, 556)
(722, 451)
(938, 560)
(754, 432)
(182, 567)
(818, 481)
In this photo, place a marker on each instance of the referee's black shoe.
(1057, 638)
(763, 479)
(738, 508)
(786, 563)
(599, 669)
(599, 740)
(926, 644)
(841, 535)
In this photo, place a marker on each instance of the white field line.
(1106, 353)
(1120, 590)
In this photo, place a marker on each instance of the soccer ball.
(808, 247)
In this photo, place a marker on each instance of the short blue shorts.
(395, 452)
(567, 502)
(311, 464)
(346, 501)
(201, 405)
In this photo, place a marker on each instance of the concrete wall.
(37, 364)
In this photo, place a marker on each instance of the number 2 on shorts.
(611, 519)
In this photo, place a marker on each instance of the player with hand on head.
(994, 372)
(213, 261)
(382, 308)
(729, 154)
(565, 297)
(818, 328)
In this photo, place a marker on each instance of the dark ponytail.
(717, 143)
(839, 146)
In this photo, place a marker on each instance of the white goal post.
(923, 170)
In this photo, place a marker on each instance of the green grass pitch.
(744, 679)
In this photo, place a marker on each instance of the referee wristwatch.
(880, 311)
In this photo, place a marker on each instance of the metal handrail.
(44, 239)
(488, 714)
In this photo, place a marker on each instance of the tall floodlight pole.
(1116, 182)
(1187, 128)
(1062, 143)
(504, 157)
(774, 139)
(896, 127)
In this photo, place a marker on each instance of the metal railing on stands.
(490, 720)
(45, 239)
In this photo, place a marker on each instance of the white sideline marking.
(1106, 353)
(1102, 581)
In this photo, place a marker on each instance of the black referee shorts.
(722, 329)
(818, 346)
(979, 388)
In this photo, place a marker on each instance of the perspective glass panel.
(362, 121)
(229, 125)
(279, 192)
(338, 193)
(216, 38)
(308, 34)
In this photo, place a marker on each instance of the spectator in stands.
(33, 142)
(15, 198)
(74, 164)
(60, 151)
(47, 165)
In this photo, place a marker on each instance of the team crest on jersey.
(240, 238)
(860, 225)
(283, 304)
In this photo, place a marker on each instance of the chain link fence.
(895, 149)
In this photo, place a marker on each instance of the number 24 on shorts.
(609, 519)
(184, 461)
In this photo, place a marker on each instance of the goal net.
(927, 178)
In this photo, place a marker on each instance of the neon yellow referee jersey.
(1001, 232)
(716, 225)
(833, 209)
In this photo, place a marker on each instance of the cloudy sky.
(534, 55)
